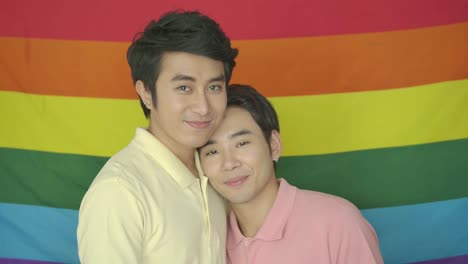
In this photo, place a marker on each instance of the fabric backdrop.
(372, 97)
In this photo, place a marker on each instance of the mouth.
(198, 124)
(237, 181)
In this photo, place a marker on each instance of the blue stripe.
(24, 261)
(406, 233)
(38, 233)
(421, 232)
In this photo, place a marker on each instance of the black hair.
(177, 31)
(261, 110)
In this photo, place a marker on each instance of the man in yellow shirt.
(151, 203)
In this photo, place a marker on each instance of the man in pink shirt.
(272, 221)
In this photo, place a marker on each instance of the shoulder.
(330, 210)
(110, 194)
(130, 167)
(115, 184)
(349, 235)
(337, 214)
(324, 202)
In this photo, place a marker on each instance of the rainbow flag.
(372, 98)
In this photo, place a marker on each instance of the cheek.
(177, 105)
(260, 157)
(218, 105)
(209, 169)
(172, 103)
(254, 154)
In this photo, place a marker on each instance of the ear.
(275, 145)
(144, 94)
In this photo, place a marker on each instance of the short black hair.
(261, 110)
(177, 31)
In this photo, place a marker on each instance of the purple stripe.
(24, 261)
(453, 260)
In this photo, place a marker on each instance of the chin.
(197, 142)
(237, 200)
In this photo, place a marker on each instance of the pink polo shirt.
(306, 227)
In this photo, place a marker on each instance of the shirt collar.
(273, 227)
(151, 146)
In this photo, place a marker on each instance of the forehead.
(236, 119)
(190, 64)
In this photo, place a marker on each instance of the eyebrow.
(240, 133)
(184, 77)
(219, 78)
(233, 135)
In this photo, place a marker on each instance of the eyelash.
(240, 144)
(216, 87)
(183, 88)
(212, 88)
(243, 143)
(211, 152)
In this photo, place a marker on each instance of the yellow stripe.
(368, 120)
(309, 124)
(89, 126)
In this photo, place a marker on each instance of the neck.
(252, 214)
(184, 154)
(188, 159)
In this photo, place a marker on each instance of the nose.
(200, 104)
(230, 161)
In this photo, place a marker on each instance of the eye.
(215, 88)
(211, 152)
(183, 88)
(242, 143)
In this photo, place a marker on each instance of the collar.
(273, 227)
(152, 147)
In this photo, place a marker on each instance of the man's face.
(237, 158)
(191, 100)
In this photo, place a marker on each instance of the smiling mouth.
(237, 181)
(198, 124)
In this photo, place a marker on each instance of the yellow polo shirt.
(145, 206)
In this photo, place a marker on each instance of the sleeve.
(110, 226)
(353, 240)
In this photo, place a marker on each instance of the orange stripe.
(279, 67)
(357, 62)
(62, 67)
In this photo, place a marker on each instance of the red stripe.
(118, 20)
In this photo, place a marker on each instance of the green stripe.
(385, 177)
(48, 179)
(370, 179)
